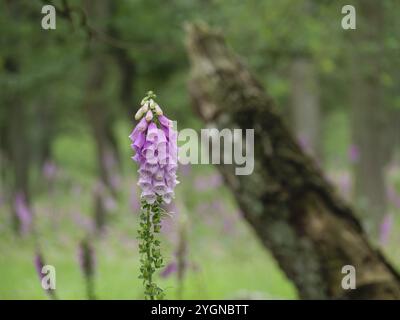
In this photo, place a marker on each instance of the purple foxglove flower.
(167, 197)
(141, 127)
(134, 203)
(145, 182)
(161, 137)
(385, 228)
(152, 167)
(393, 196)
(159, 175)
(354, 153)
(23, 213)
(86, 258)
(137, 157)
(145, 173)
(156, 153)
(39, 264)
(165, 122)
(149, 196)
(152, 132)
(159, 187)
(169, 269)
(139, 141)
(49, 170)
(87, 262)
(304, 142)
(186, 169)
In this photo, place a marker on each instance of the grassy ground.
(223, 263)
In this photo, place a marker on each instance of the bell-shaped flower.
(159, 187)
(145, 183)
(152, 132)
(145, 173)
(149, 196)
(167, 197)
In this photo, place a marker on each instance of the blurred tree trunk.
(101, 122)
(305, 105)
(100, 114)
(17, 145)
(127, 68)
(370, 116)
(293, 209)
(126, 65)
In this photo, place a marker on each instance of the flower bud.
(145, 107)
(139, 114)
(149, 116)
(151, 104)
(158, 110)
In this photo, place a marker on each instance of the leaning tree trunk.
(294, 210)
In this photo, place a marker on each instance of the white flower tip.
(140, 113)
(149, 116)
(145, 107)
(152, 104)
(144, 100)
(158, 110)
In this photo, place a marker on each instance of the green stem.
(149, 257)
(149, 248)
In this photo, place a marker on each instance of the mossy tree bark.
(293, 209)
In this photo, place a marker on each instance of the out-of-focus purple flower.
(218, 206)
(229, 225)
(385, 228)
(24, 214)
(354, 153)
(39, 263)
(343, 181)
(304, 142)
(49, 170)
(185, 169)
(209, 182)
(133, 199)
(83, 221)
(345, 184)
(115, 181)
(169, 270)
(110, 204)
(156, 152)
(87, 262)
(86, 258)
(393, 196)
(101, 192)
